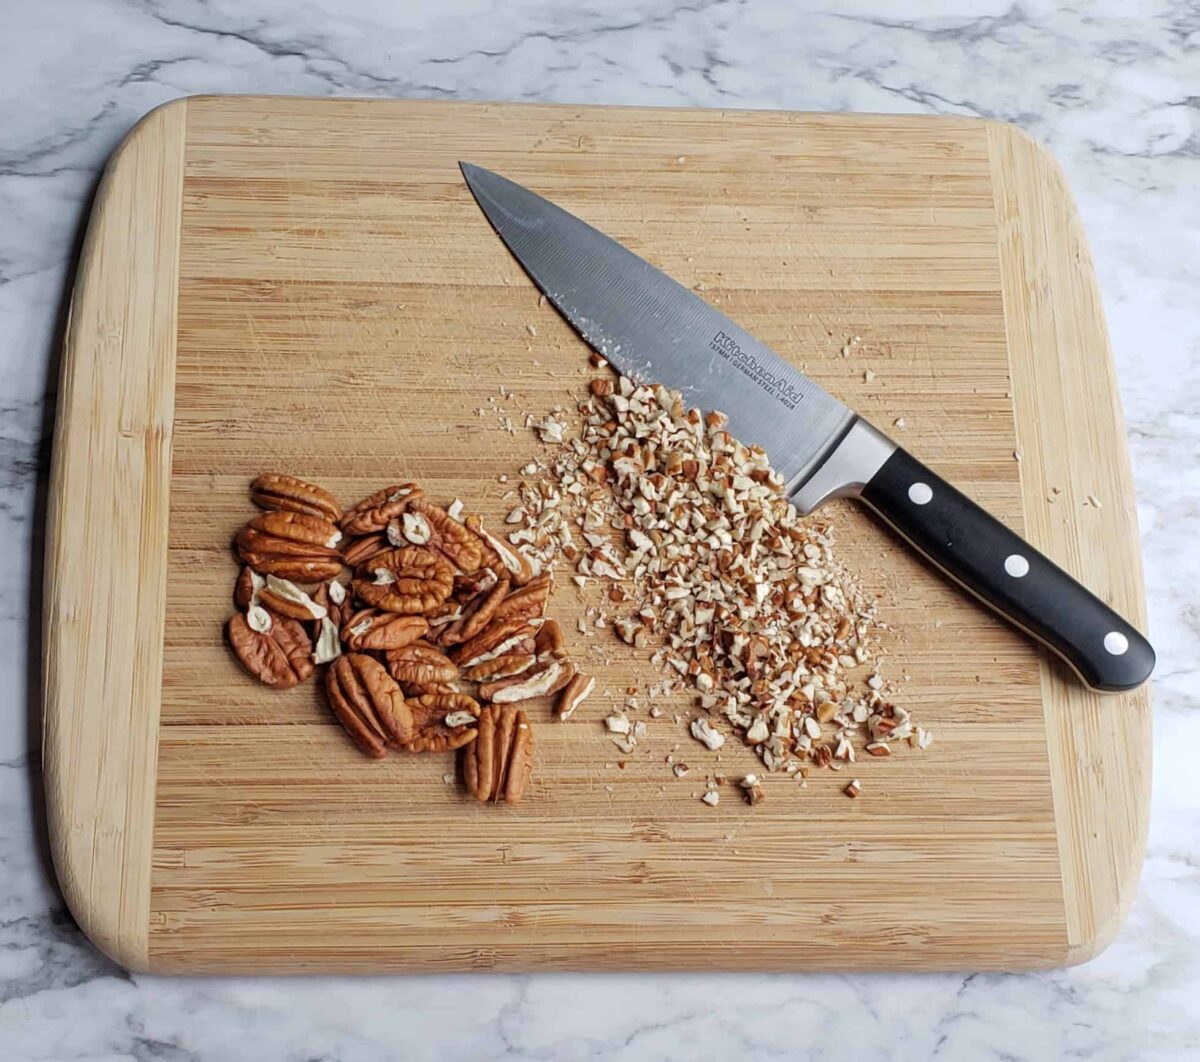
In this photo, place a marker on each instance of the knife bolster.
(847, 469)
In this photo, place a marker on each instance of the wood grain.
(344, 310)
(106, 556)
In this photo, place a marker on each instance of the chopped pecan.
(498, 764)
(407, 580)
(500, 667)
(279, 656)
(476, 615)
(573, 694)
(370, 629)
(277, 491)
(549, 641)
(502, 558)
(495, 639)
(368, 703)
(527, 603)
(358, 551)
(335, 599)
(380, 509)
(291, 545)
(469, 587)
(538, 681)
(420, 664)
(245, 590)
(442, 722)
(423, 524)
(285, 598)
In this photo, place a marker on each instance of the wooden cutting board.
(307, 286)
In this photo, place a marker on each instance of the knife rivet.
(1016, 566)
(1116, 643)
(920, 494)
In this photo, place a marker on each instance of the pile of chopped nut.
(433, 600)
(713, 569)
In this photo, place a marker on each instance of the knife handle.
(1007, 574)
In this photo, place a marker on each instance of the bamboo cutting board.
(307, 286)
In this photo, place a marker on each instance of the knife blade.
(651, 328)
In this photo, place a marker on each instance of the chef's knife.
(651, 328)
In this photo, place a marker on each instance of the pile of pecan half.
(433, 601)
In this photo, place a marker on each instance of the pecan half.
(442, 722)
(423, 524)
(370, 629)
(277, 491)
(374, 513)
(360, 550)
(368, 703)
(527, 603)
(549, 641)
(573, 694)
(503, 559)
(279, 656)
(421, 665)
(494, 640)
(498, 764)
(476, 615)
(500, 667)
(291, 545)
(408, 580)
(537, 681)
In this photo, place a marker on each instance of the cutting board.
(307, 286)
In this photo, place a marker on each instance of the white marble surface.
(1115, 95)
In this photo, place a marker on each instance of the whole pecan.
(423, 524)
(420, 664)
(380, 509)
(368, 703)
(527, 603)
(500, 667)
(360, 550)
(505, 560)
(497, 765)
(277, 491)
(291, 545)
(503, 636)
(442, 722)
(543, 678)
(476, 615)
(408, 580)
(371, 629)
(280, 656)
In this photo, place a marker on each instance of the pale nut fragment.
(500, 667)
(280, 657)
(500, 556)
(527, 603)
(550, 641)
(277, 491)
(378, 510)
(572, 695)
(538, 681)
(372, 629)
(368, 703)
(703, 732)
(358, 551)
(494, 640)
(421, 665)
(407, 580)
(429, 525)
(329, 644)
(285, 598)
(497, 766)
(476, 615)
(442, 722)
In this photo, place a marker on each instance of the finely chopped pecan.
(276, 491)
(442, 722)
(497, 765)
(368, 703)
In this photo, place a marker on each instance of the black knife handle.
(1008, 574)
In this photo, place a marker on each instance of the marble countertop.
(1115, 97)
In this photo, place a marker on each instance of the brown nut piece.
(503, 559)
(420, 664)
(538, 681)
(290, 545)
(442, 722)
(423, 524)
(334, 597)
(494, 640)
(497, 765)
(368, 703)
(370, 629)
(282, 597)
(550, 641)
(408, 580)
(573, 694)
(374, 513)
(246, 588)
(280, 657)
(277, 491)
(527, 603)
(358, 551)
(476, 615)
(501, 667)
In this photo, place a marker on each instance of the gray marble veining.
(1112, 88)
